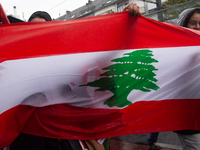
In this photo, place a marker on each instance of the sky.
(56, 8)
(24, 8)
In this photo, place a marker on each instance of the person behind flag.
(189, 18)
(39, 16)
(152, 139)
(27, 141)
(190, 139)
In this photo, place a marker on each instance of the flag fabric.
(98, 77)
(3, 17)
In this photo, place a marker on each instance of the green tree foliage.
(134, 71)
(169, 3)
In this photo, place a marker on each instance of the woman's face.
(194, 22)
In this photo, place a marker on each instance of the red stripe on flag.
(116, 31)
(64, 121)
(12, 123)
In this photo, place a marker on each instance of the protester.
(189, 18)
(134, 10)
(32, 142)
(39, 16)
(190, 139)
(152, 141)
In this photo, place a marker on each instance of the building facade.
(148, 8)
(100, 7)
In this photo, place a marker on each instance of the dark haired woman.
(190, 18)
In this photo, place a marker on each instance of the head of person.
(190, 18)
(39, 16)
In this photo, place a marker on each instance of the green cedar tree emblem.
(134, 71)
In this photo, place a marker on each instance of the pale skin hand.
(133, 9)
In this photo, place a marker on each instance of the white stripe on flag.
(55, 79)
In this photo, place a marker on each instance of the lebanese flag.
(98, 77)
